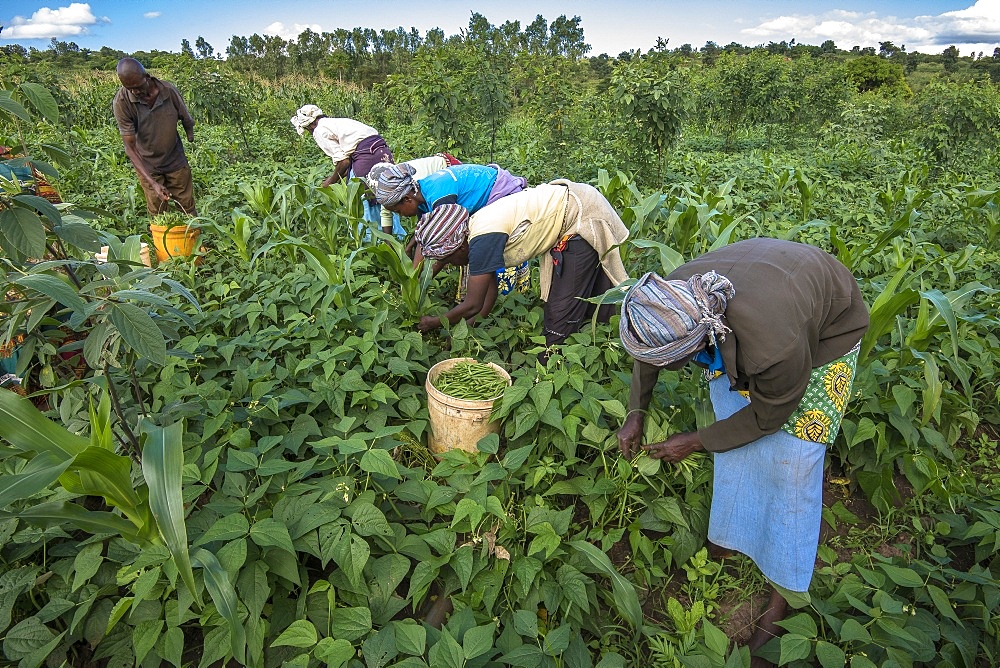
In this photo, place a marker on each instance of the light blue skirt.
(767, 499)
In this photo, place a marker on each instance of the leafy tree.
(949, 57)
(566, 38)
(869, 73)
(890, 50)
(205, 50)
(743, 90)
(658, 100)
(186, 48)
(952, 116)
(709, 53)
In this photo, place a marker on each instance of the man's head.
(443, 232)
(396, 189)
(665, 323)
(305, 118)
(134, 78)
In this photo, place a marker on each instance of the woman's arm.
(474, 304)
(340, 170)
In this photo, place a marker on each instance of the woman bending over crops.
(569, 226)
(777, 326)
(353, 146)
(404, 191)
(421, 167)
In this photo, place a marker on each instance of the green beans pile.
(471, 381)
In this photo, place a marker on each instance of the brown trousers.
(180, 187)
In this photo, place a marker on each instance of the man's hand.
(190, 135)
(675, 448)
(630, 435)
(161, 191)
(428, 323)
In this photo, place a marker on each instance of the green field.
(225, 462)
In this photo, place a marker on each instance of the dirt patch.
(736, 618)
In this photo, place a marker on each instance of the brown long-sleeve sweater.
(796, 308)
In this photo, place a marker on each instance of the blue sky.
(928, 26)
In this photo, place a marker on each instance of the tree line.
(364, 56)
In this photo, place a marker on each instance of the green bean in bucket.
(471, 381)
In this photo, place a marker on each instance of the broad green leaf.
(351, 623)
(144, 636)
(163, 467)
(801, 624)
(853, 631)
(530, 656)
(41, 206)
(942, 603)
(557, 640)
(24, 427)
(42, 100)
(904, 577)
(224, 596)
(368, 520)
(62, 513)
(829, 655)
(54, 287)
(227, 527)
(478, 641)
(139, 332)
(13, 583)
(379, 461)
(270, 532)
(625, 597)
(334, 653)
(172, 646)
(794, 648)
(81, 235)
(411, 638)
(526, 623)
(24, 638)
(13, 109)
(121, 607)
(300, 633)
(38, 474)
(21, 231)
(715, 639)
(446, 652)
(100, 472)
(380, 648)
(86, 563)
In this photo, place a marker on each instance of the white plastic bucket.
(458, 423)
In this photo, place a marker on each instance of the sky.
(928, 26)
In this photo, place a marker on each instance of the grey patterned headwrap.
(394, 183)
(664, 321)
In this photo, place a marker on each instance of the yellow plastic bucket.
(457, 423)
(176, 241)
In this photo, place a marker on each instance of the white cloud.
(60, 22)
(151, 15)
(974, 28)
(290, 32)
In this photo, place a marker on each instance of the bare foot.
(717, 552)
(767, 627)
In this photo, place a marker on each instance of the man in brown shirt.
(147, 111)
(776, 324)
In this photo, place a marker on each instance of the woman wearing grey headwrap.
(777, 327)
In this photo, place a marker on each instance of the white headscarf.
(305, 116)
